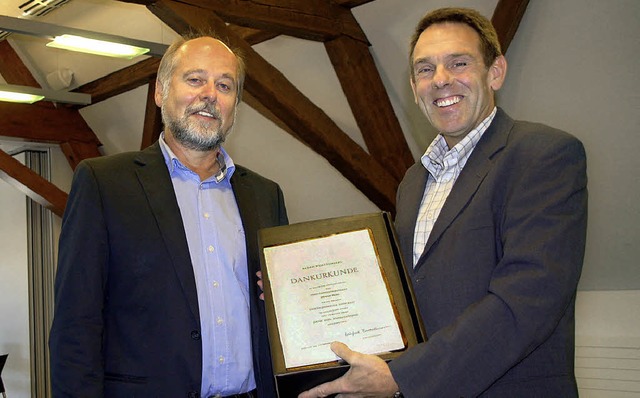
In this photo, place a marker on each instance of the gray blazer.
(497, 281)
(126, 320)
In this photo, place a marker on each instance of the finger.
(259, 274)
(343, 351)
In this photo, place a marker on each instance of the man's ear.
(413, 89)
(497, 73)
(158, 94)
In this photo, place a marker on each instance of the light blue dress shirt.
(218, 253)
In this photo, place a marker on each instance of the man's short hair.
(489, 44)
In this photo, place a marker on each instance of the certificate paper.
(331, 289)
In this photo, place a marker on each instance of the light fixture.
(97, 47)
(29, 95)
(22, 98)
(50, 31)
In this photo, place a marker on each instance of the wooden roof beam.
(44, 124)
(152, 119)
(12, 69)
(370, 104)
(121, 81)
(77, 151)
(318, 20)
(506, 19)
(33, 185)
(351, 3)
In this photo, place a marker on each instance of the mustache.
(209, 108)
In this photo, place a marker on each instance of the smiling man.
(155, 292)
(492, 225)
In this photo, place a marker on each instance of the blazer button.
(193, 394)
(195, 335)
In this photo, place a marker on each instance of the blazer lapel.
(156, 184)
(243, 194)
(475, 170)
(412, 192)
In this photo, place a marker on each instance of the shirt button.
(206, 216)
(215, 284)
(210, 249)
(219, 321)
(195, 335)
(221, 359)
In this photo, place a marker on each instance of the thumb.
(343, 351)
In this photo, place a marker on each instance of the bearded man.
(155, 292)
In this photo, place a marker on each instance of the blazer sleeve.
(534, 223)
(76, 334)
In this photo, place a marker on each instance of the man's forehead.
(205, 42)
(206, 53)
(457, 36)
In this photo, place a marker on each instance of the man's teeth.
(203, 113)
(447, 101)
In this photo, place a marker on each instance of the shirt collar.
(438, 156)
(227, 167)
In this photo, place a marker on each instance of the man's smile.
(448, 101)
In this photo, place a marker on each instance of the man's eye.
(460, 64)
(424, 70)
(224, 87)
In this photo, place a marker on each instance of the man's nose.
(208, 92)
(441, 77)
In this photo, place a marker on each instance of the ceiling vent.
(36, 8)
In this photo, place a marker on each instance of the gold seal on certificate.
(331, 289)
(339, 279)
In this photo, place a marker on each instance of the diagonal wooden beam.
(152, 119)
(343, 3)
(121, 81)
(506, 19)
(12, 69)
(318, 20)
(370, 104)
(269, 86)
(31, 184)
(44, 124)
(77, 151)
(351, 3)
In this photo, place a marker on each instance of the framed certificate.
(338, 279)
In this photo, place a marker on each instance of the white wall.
(14, 290)
(573, 64)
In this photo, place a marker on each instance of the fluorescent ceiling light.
(29, 95)
(50, 31)
(22, 98)
(97, 47)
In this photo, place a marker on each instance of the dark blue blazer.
(126, 320)
(497, 281)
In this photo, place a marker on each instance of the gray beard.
(187, 133)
